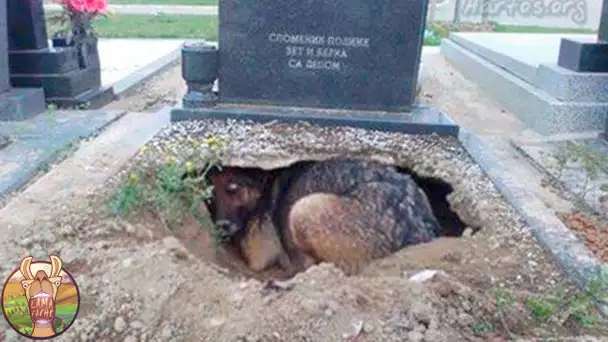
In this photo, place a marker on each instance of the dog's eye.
(232, 187)
(57, 283)
(25, 286)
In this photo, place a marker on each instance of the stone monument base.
(91, 99)
(21, 103)
(421, 120)
(583, 55)
(69, 75)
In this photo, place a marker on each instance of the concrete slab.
(537, 108)
(38, 141)
(573, 176)
(87, 169)
(530, 48)
(121, 58)
(422, 119)
(519, 53)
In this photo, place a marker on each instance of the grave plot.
(491, 284)
(578, 168)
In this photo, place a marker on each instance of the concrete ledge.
(537, 109)
(525, 71)
(156, 67)
(567, 85)
(92, 99)
(576, 260)
(39, 141)
(21, 103)
(422, 120)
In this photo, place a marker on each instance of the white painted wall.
(579, 13)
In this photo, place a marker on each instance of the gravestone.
(15, 104)
(332, 54)
(587, 55)
(69, 75)
(336, 62)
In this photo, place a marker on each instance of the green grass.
(538, 29)
(166, 2)
(155, 26)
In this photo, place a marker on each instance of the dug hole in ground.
(144, 277)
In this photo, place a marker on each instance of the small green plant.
(482, 327)
(128, 198)
(583, 304)
(174, 187)
(502, 298)
(580, 306)
(540, 308)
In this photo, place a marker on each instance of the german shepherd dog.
(340, 210)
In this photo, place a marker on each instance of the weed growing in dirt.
(559, 307)
(590, 161)
(173, 187)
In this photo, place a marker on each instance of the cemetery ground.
(148, 270)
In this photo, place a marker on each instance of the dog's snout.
(222, 224)
(226, 226)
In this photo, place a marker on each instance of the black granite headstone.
(15, 104)
(583, 56)
(346, 54)
(27, 25)
(69, 74)
(587, 56)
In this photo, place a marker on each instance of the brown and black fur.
(343, 211)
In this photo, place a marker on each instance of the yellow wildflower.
(144, 149)
(170, 160)
(133, 179)
(214, 142)
(189, 166)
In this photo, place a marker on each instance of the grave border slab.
(49, 135)
(422, 120)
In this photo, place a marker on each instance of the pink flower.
(96, 6)
(102, 6)
(75, 5)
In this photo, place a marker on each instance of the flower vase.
(86, 47)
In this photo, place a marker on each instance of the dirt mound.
(142, 279)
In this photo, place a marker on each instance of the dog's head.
(238, 193)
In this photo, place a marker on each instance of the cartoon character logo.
(40, 299)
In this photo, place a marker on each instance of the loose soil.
(144, 280)
(592, 229)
